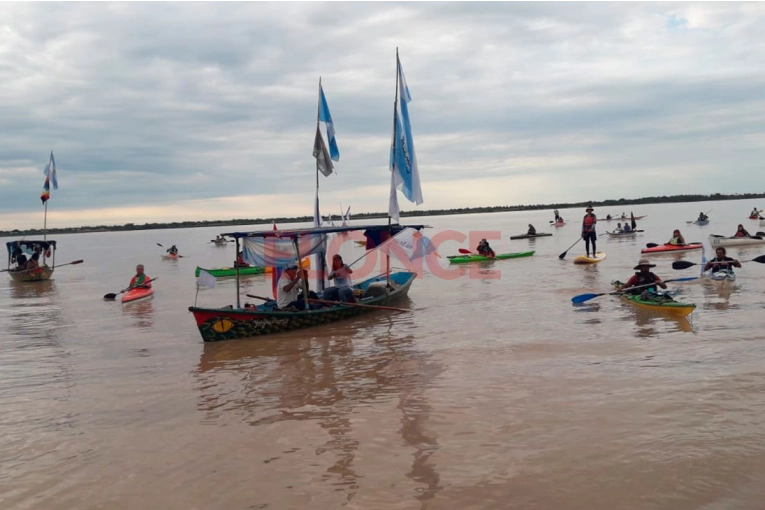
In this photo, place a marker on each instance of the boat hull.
(668, 307)
(558, 223)
(672, 248)
(628, 218)
(465, 259)
(137, 294)
(35, 275)
(584, 259)
(169, 256)
(226, 272)
(216, 324)
(622, 234)
(529, 236)
(726, 242)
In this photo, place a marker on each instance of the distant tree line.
(432, 212)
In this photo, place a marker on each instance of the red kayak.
(667, 248)
(136, 294)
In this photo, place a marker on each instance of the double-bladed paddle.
(54, 267)
(179, 256)
(685, 264)
(581, 298)
(113, 295)
(654, 245)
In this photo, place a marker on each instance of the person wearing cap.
(288, 288)
(721, 262)
(642, 281)
(341, 274)
(588, 230)
(531, 231)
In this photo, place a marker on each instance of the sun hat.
(644, 262)
(589, 208)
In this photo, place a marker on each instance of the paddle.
(179, 256)
(113, 295)
(581, 298)
(468, 252)
(563, 255)
(60, 265)
(359, 305)
(654, 245)
(259, 297)
(685, 264)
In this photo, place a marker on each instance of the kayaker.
(677, 238)
(640, 282)
(484, 249)
(141, 279)
(531, 231)
(588, 230)
(341, 274)
(172, 250)
(608, 217)
(755, 213)
(721, 262)
(702, 217)
(741, 232)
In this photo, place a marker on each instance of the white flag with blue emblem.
(324, 116)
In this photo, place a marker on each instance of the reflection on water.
(326, 380)
(142, 311)
(32, 290)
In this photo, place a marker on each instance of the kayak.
(698, 222)
(752, 217)
(462, 259)
(136, 294)
(584, 259)
(224, 272)
(170, 256)
(716, 240)
(673, 248)
(657, 305)
(558, 223)
(529, 236)
(722, 276)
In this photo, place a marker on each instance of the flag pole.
(390, 229)
(45, 224)
(320, 259)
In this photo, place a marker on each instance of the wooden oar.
(685, 264)
(581, 298)
(260, 297)
(113, 295)
(359, 305)
(54, 267)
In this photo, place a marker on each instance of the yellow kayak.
(584, 259)
(670, 307)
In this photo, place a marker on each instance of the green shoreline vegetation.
(356, 217)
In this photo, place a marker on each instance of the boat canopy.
(16, 248)
(300, 232)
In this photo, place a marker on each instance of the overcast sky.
(187, 111)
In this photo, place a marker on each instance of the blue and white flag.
(323, 160)
(50, 171)
(324, 116)
(403, 161)
(280, 251)
(409, 243)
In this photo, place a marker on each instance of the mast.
(395, 140)
(320, 256)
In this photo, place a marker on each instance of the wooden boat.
(27, 248)
(529, 236)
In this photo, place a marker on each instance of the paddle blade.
(651, 245)
(160, 245)
(563, 255)
(686, 279)
(682, 264)
(110, 295)
(464, 251)
(760, 259)
(581, 298)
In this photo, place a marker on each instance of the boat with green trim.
(464, 259)
(227, 272)
(659, 304)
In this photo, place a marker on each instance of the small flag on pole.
(324, 116)
(50, 177)
(206, 279)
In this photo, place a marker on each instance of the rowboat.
(584, 259)
(529, 236)
(226, 272)
(136, 294)
(672, 248)
(463, 259)
(26, 248)
(657, 304)
(718, 240)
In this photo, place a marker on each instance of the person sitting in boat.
(34, 261)
(484, 249)
(677, 238)
(288, 290)
(626, 228)
(702, 217)
(618, 228)
(608, 217)
(343, 289)
(21, 262)
(721, 262)
(141, 279)
(531, 231)
(239, 262)
(173, 250)
(741, 232)
(644, 282)
(755, 213)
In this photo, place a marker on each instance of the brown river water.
(491, 392)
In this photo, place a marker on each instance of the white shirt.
(284, 298)
(342, 277)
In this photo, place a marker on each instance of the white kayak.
(718, 240)
(721, 276)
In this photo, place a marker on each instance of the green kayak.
(222, 272)
(462, 259)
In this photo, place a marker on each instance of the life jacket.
(643, 279)
(588, 224)
(720, 267)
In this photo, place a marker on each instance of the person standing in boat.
(531, 231)
(677, 238)
(721, 262)
(741, 232)
(588, 230)
(484, 249)
(140, 279)
(641, 282)
(341, 274)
